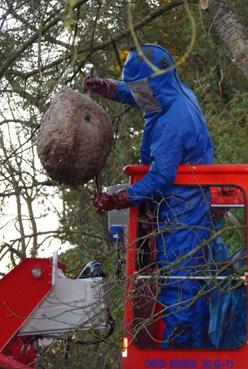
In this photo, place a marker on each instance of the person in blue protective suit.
(174, 133)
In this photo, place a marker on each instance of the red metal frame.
(214, 175)
(21, 291)
(7, 362)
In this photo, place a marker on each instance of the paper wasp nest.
(74, 139)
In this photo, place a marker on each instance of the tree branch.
(232, 32)
(138, 25)
(47, 25)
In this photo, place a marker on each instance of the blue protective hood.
(136, 68)
(165, 87)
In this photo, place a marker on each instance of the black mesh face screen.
(143, 96)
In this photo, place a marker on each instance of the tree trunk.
(231, 31)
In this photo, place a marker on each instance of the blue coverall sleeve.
(123, 95)
(166, 154)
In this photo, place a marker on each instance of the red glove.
(104, 87)
(104, 202)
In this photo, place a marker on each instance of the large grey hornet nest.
(74, 139)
